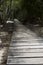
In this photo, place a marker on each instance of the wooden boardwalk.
(25, 48)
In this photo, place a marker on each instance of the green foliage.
(24, 10)
(34, 10)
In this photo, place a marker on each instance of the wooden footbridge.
(25, 47)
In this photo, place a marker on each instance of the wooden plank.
(25, 61)
(22, 47)
(27, 50)
(27, 54)
(18, 44)
(28, 39)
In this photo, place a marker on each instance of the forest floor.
(36, 28)
(5, 38)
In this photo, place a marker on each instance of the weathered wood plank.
(26, 54)
(27, 39)
(22, 47)
(25, 43)
(27, 50)
(26, 61)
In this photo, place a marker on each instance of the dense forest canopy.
(27, 11)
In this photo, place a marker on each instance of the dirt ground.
(5, 38)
